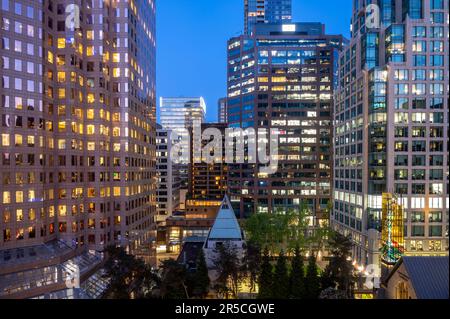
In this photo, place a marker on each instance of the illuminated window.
(50, 57)
(61, 43)
(90, 114)
(19, 197)
(90, 129)
(61, 93)
(19, 215)
(116, 72)
(61, 77)
(116, 57)
(19, 139)
(90, 50)
(5, 140)
(91, 98)
(6, 198)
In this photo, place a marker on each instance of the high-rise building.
(208, 181)
(222, 110)
(179, 115)
(266, 11)
(77, 130)
(391, 126)
(168, 189)
(284, 79)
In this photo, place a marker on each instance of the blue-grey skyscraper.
(266, 11)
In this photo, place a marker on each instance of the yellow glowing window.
(19, 197)
(81, 80)
(5, 140)
(278, 79)
(91, 98)
(62, 126)
(80, 48)
(116, 57)
(116, 72)
(62, 210)
(60, 60)
(91, 146)
(263, 79)
(117, 191)
(116, 132)
(90, 129)
(90, 50)
(30, 141)
(73, 76)
(31, 196)
(90, 114)
(61, 77)
(62, 144)
(6, 198)
(90, 35)
(19, 215)
(19, 140)
(61, 43)
(50, 57)
(61, 110)
(61, 93)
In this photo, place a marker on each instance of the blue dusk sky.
(192, 38)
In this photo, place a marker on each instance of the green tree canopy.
(265, 280)
(297, 276)
(281, 278)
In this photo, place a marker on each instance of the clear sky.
(192, 37)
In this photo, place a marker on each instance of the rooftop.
(428, 275)
(226, 226)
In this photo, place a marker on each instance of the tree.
(126, 273)
(174, 277)
(297, 276)
(228, 265)
(339, 272)
(281, 282)
(251, 264)
(265, 280)
(200, 279)
(285, 230)
(312, 282)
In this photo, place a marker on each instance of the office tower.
(208, 181)
(179, 115)
(284, 80)
(222, 110)
(168, 189)
(266, 11)
(391, 134)
(78, 130)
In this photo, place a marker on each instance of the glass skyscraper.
(391, 127)
(179, 114)
(284, 80)
(78, 121)
(266, 11)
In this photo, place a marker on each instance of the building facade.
(208, 181)
(222, 110)
(266, 11)
(284, 80)
(391, 126)
(179, 115)
(168, 189)
(78, 123)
